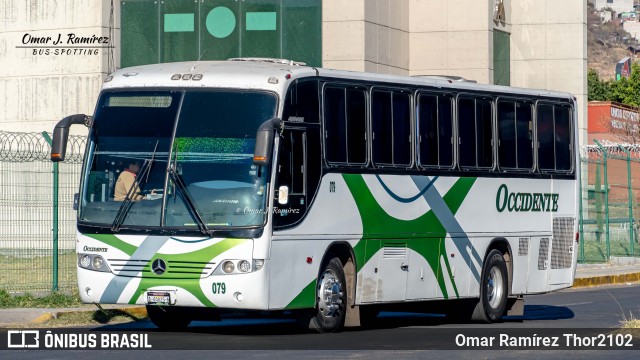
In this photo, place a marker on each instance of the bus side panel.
(333, 217)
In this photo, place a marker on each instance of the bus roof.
(275, 74)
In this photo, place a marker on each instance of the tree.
(598, 90)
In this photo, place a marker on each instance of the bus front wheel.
(493, 289)
(167, 318)
(331, 298)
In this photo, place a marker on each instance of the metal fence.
(26, 213)
(610, 194)
(609, 212)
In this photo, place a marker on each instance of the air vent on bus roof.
(450, 78)
(270, 60)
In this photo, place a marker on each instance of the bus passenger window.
(335, 119)
(524, 135)
(382, 128)
(391, 128)
(546, 152)
(356, 139)
(345, 115)
(466, 132)
(401, 129)
(435, 128)
(507, 135)
(484, 133)
(562, 131)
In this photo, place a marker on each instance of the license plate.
(158, 298)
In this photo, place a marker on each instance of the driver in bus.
(126, 181)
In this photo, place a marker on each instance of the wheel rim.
(495, 287)
(330, 295)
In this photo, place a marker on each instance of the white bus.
(273, 186)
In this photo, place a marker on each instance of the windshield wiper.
(127, 203)
(188, 201)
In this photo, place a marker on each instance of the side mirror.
(264, 141)
(61, 135)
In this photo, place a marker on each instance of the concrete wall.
(451, 38)
(549, 49)
(366, 35)
(38, 90)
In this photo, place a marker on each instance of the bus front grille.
(174, 269)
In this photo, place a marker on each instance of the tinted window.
(484, 133)
(345, 114)
(466, 132)
(524, 134)
(476, 133)
(515, 149)
(507, 143)
(391, 127)
(435, 123)
(401, 129)
(546, 156)
(335, 126)
(356, 126)
(382, 127)
(563, 137)
(301, 103)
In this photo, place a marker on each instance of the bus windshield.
(175, 159)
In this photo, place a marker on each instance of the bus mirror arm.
(61, 134)
(264, 141)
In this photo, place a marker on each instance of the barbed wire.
(31, 146)
(614, 150)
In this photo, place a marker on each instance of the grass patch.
(98, 317)
(54, 300)
(631, 327)
(30, 270)
(631, 324)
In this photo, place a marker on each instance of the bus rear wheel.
(493, 289)
(331, 298)
(167, 318)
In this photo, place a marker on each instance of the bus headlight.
(244, 266)
(238, 266)
(92, 262)
(227, 267)
(85, 262)
(97, 262)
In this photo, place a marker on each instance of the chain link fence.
(26, 213)
(609, 213)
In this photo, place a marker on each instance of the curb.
(606, 280)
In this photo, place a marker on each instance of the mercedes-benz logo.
(159, 266)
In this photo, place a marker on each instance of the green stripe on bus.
(305, 299)
(378, 224)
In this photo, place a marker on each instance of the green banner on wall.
(183, 30)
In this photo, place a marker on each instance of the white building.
(619, 6)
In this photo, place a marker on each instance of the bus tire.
(494, 289)
(331, 298)
(166, 318)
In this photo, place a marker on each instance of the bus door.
(298, 173)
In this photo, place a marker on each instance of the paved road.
(395, 335)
